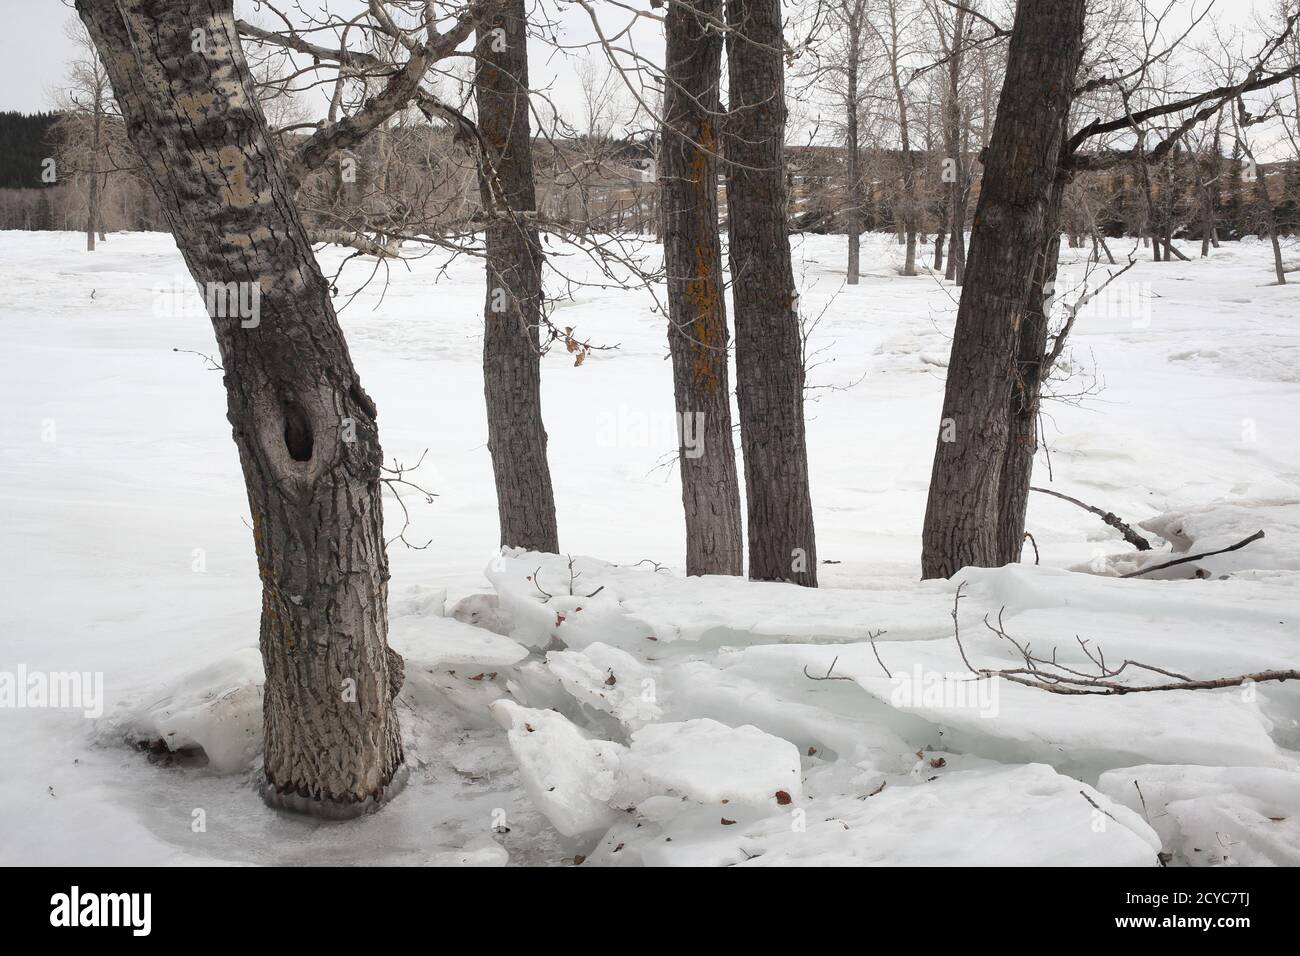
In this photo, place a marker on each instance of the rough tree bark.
(697, 309)
(304, 427)
(961, 519)
(769, 353)
(513, 297)
(1027, 387)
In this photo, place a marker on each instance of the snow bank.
(1195, 436)
(736, 702)
(1018, 816)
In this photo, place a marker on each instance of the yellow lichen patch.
(233, 167)
(233, 91)
(195, 105)
(706, 330)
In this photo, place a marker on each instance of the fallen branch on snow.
(1196, 557)
(1123, 527)
(1056, 678)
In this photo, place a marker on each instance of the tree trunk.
(304, 427)
(697, 308)
(92, 200)
(769, 345)
(1265, 203)
(854, 171)
(956, 210)
(854, 271)
(1026, 389)
(1207, 221)
(911, 211)
(957, 251)
(513, 302)
(961, 520)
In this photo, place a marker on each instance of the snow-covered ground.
(664, 720)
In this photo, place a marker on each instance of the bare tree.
(952, 27)
(513, 306)
(83, 130)
(769, 358)
(893, 36)
(697, 311)
(1019, 175)
(1243, 121)
(304, 427)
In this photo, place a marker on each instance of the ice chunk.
(482, 610)
(217, 708)
(1216, 815)
(446, 640)
(709, 762)
(609, 680)
(569, 776)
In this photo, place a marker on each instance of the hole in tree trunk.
(297, 432)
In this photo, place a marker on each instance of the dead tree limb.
(1196, 557)
(1131, 536)
(355, 240)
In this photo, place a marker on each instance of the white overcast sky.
(34, 50)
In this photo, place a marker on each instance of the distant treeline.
(25, 142)
(415, 179)
(28, 201)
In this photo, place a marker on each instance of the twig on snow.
(1196, 557)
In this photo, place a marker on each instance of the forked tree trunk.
(513, 297)
(304, 427)
(1026, 389)
(961, 519)
(697, 307)
(769, 353)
